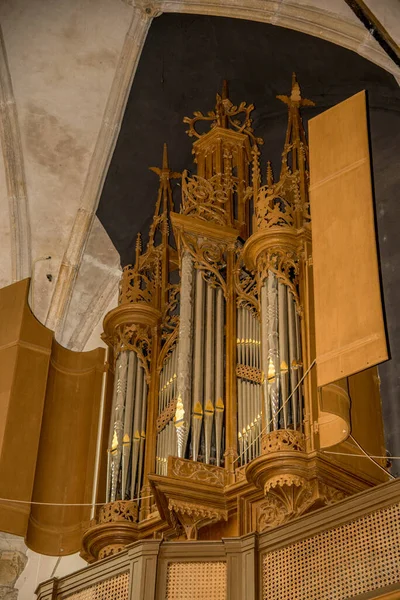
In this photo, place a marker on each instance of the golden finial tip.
(296, 94)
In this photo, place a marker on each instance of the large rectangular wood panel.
(350, 333)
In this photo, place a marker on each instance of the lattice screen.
(196, 581)
(340, 563)
(115, 588)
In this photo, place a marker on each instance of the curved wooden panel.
(334, 414)
(66, 457)
(25, 346)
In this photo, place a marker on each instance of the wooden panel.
(65, 465)
(350, 334)
(25, 347)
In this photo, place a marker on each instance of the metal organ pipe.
(197, 400)
(127, 438)
(116, 444)
(136, 425)
(273, 373)
(142, 436)
(293, 355)
(167, 395)
(298, 361)
(111, 434)
(185, 355)
(248, 388)
(209, 371)
(283, 348)
(219, 373)
(265, 356)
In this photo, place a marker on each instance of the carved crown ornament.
(225, 115)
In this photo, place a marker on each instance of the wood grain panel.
(25, 347)
(350, 334)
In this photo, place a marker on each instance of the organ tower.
(215, 425)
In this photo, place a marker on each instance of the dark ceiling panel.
(182, 66)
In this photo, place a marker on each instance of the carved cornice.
(196, 471)
(127, 314)
(283, 440)
(262, 242)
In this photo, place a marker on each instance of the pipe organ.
(214, 413)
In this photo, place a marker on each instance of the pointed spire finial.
(270, 175)
(295, 100)
(138, 247)
(165, 158)
(165, 173)
(295, 96)
(225, 90)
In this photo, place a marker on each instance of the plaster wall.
(62, 58)
(5, 242)
(388, 14)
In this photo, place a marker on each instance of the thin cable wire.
(372, 459)
(361, 455)
(65, 504)
(283, 405)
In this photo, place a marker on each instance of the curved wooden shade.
(49, 407)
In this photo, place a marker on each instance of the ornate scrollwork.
(208, 256)
(121, 510)
(170, 315)
(283, 440)
(245, 285)
(137, 286)
(240, 474)
(137, 338)
(197, 471)
(272, 209)
(284, 263)
(290, 496)
(226, 115)
(166, 415)
(206, 199)
(287, 499)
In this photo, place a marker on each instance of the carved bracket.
(194, 516)
(289, 496)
